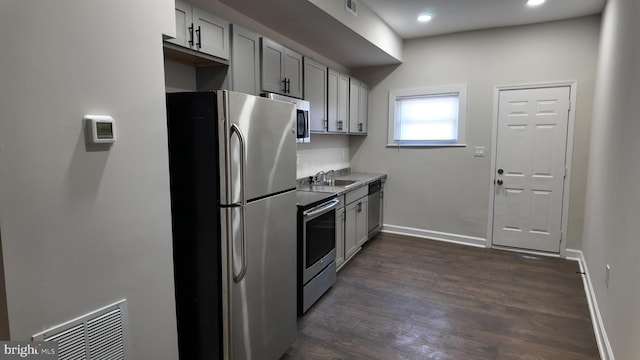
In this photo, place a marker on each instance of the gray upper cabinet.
(338, 102)
(315, 91)
(293, 73)
(201, 31)
(363, 111)
(245, 61)
(183, 25)
(281, 69)
(358, 105)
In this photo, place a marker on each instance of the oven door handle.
(323, 209)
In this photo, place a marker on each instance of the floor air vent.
(99, 335)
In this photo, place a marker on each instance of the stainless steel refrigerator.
(233, 203)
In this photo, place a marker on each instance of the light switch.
(478, 151)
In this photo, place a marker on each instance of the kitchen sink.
(345, 183)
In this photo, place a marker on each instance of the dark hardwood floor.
(411, 298)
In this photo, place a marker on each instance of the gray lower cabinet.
(315, 91)
(281, 69)
(350, 241)
(362, 219)
(201, 31)
(356, 218)
(340, 221)
(245, 61)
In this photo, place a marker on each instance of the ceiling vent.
(99, 335)
(352, 7)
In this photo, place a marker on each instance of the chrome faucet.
(319, 178)
(331, 177)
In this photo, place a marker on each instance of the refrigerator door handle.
(243, 202)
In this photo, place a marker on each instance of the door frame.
(572, 84)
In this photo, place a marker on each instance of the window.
(433, 116)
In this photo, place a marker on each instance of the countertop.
(362, 179)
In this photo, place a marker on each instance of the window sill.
(425, 146)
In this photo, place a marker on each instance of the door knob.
(500, 171)
(500, 182)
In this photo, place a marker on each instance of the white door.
(530, 168)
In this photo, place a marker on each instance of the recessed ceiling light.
(535, 2)
(424, 17)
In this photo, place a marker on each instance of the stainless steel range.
(316, 246)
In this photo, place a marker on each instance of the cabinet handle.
(359, 207)
(191, 35)
(325, 125)
(199, 43)
(360, 127)
(340, 125)
(288, 86)
(284, 83)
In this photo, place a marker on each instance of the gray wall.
(447, 189)
(613, 200)
(82, 229)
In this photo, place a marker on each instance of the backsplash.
(323, 153)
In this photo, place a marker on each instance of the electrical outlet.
(606, 276)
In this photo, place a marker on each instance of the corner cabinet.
(245, 61)
(358, 107)
(201, 31)
(281, 69)
(315, 91)
(337, 102)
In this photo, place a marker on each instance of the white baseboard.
(572, 254)
(435, 235)
(606, 353)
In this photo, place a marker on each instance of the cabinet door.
(354, 105)
(362, 218)
(332, 100)
(183, 23)
(350, 240)
(211, 34)
(245, 61)
(293, 73)
(272, 60)
(315, 91)
(363, 111)
(343, 102)
(337, 101)
(340, 220)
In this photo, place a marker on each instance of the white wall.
(82, 229)
(447, 189)
(613, 200)
(323, 153)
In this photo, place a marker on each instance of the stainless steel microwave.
(302, 115)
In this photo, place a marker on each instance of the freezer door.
(263, 303)
(266, 128)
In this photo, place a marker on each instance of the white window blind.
(427, 117)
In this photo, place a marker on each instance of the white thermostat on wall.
(99, 129)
